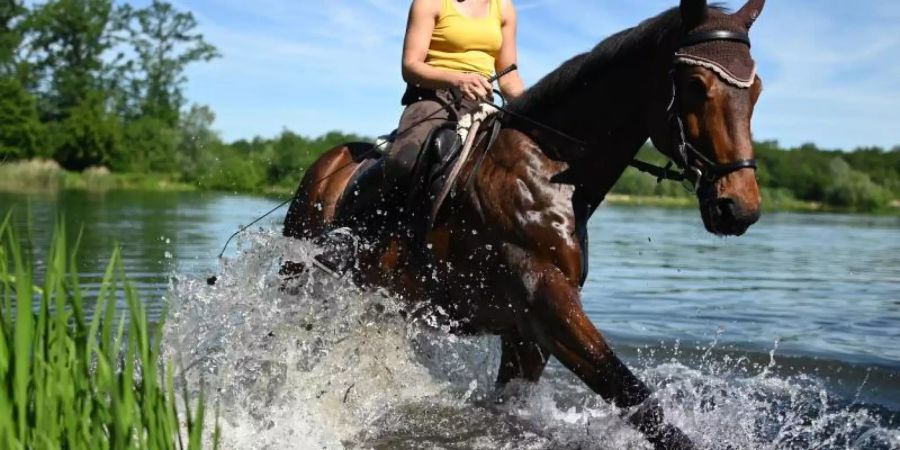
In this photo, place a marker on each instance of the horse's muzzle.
(727, 217)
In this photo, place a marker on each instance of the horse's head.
(709, 103)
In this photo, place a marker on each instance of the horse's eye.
(697, 87)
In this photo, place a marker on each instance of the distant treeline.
(97, 83)
(866, 179)
(93, 83)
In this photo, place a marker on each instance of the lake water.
(787, 337)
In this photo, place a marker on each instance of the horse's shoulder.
(517, 193)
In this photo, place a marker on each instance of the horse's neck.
(601, 119)
(621, 106)
(613, 95)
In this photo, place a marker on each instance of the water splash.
(319, 363)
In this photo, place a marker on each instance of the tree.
(21, 132)
(20, 128)
(199, 143)
(69, 41)
(165, 42)
(87, 136)
(852, 189)
(11, 13)
(151, 146)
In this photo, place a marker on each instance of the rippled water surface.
(786, 337)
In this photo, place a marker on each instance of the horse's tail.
(315, 203)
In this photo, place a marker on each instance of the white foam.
(325, 365)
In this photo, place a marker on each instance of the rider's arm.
(510, 84)
(423, 16)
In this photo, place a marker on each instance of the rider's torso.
(463, 43)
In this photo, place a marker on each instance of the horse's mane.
(641, 39)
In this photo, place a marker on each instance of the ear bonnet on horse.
(730, 59)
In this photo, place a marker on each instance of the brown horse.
(509, 254)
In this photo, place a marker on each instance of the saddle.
(448, 147)
(436, 170)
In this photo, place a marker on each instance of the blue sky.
(831, 68)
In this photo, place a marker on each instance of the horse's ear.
(750, 12)
(693, 13)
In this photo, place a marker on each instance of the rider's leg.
(416, 122)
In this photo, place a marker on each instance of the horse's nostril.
(725, 207)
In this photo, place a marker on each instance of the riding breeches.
(424, 111)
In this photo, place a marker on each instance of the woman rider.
(449, 45)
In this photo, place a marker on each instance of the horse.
(509, 255)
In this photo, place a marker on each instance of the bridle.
(696, 167)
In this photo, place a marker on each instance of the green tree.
(883, 167)
(69, 39)
(20, 128)
(21, 132)
(165, 42)
(199, 143)
(87, 136)
(853, 189)
(290, 152)
(150, 146)
(11, 14)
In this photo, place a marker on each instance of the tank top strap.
(496, 10)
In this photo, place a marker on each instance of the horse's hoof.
(671, 438)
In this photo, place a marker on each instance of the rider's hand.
(473, 86)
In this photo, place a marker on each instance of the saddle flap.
(443, 155)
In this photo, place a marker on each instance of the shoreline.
(792, 205)
(39, 176)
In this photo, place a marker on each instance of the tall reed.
(67, 381)
(33, 175)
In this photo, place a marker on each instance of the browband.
(720, 70)
(716, 35)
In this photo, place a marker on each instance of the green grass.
(72, 383)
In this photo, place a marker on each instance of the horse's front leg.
(554, 318)
(521, 359)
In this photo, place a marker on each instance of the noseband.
(695, 166)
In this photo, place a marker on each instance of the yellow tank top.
(466, 44)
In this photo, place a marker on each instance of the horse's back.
(315, 204)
